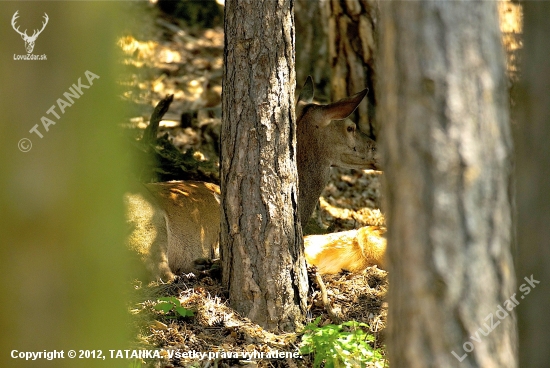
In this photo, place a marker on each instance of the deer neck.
(313, 174)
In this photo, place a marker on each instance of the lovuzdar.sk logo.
(29, 40)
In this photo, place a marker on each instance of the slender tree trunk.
(261, 237)
(533, 186)
(447, 148)
(352, 40)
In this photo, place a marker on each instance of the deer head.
(29, 40)
(326, 138)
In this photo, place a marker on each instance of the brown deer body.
(173, 223)
(177, 222)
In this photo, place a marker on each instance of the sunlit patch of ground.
(215, 327)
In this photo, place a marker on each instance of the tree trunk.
(447, 154)
(352, 39)
(312, 44)
(261, 237)
(533, 185)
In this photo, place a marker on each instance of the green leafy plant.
(169, 304)
(344, 345)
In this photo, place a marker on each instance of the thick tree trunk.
(312, 44)
(352, 40)
(533, 185)
(447, 148)
(261, 237)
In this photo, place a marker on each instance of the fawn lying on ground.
(178, 222)
(352, 250)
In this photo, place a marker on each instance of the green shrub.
(169, 304)
(345, 345)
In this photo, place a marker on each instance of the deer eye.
(351, 129)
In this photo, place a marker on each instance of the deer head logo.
(29, 40)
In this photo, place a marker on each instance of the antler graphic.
(29, 40)
(15, 16)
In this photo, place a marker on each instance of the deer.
(178, 222)
(352, 250)
(326, 138)
(29, 40)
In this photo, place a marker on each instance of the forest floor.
(166, 57)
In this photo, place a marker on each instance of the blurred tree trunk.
(261, 236)
(64, 270)
(312, 44)
(447, 150)
(352, 40)
(532, 135)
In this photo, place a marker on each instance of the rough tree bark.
(352, 40)
(261, 237)
(447, 159)
(533, 185)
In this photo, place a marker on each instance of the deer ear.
(306, 94)
(343, 108)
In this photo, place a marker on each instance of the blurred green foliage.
(63, 266)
